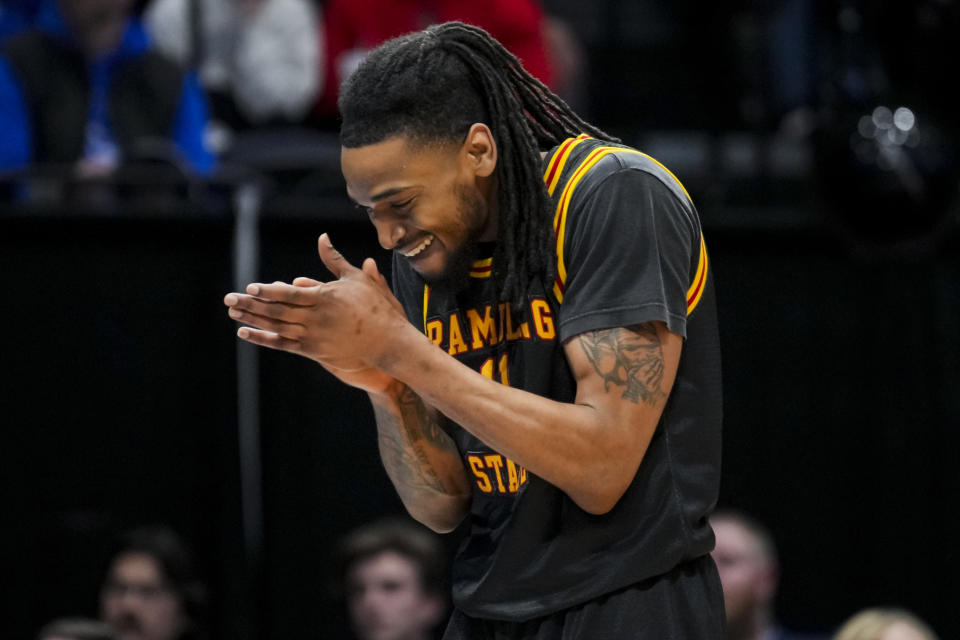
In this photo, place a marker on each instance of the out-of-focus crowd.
(391, 577)
(91, 84)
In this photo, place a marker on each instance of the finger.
(291, 330)
(267, 308)
(332, 259)
(305, 282)
(282, 292)
(268, 339)
(369, 268)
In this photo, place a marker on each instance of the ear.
(479, 150)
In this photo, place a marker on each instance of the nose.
(389, 232)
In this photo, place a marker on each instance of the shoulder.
(580, 165)
(617, 166)
(617, 185)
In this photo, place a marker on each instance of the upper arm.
(626, 374)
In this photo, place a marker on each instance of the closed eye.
(396, 206)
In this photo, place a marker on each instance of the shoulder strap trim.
(426, 301)
(560, 217)
(555, 167)
(695, 292)
(669, 173)
(481, 268)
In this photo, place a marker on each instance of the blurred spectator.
(353, 27)
(151, 590)
(885, 624)
(746, 558)
(76, 629)
(83, 87)
(393, 574)
(257, 58)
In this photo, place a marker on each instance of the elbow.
(598, 505)
(602, 484)
(601, 498)
(445, 526)
(443, 516)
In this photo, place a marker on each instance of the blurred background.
(819, 139)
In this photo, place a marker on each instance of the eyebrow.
(386, 194)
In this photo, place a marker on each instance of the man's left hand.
(346, 324)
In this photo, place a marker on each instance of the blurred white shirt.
(265, 53)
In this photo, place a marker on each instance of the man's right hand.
(356, 374)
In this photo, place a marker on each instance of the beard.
(472, 214)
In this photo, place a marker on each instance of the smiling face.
(429, 203)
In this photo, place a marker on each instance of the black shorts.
(684, 604)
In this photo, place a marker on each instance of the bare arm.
(590, 449)
(421, 459)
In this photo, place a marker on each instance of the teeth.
(420, 247)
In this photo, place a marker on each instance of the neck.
(489, 192)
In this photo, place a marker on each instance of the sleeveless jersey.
(629, 251)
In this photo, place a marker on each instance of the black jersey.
(629, 250)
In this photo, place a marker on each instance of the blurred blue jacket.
(17, 144)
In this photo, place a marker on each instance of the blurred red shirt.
(354, 26)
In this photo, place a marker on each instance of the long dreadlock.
(432, 86)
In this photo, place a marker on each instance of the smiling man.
(546, 365)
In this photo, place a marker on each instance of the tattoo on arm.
(404, 442)
(420, 422)
(628, 357)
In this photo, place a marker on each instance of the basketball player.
(547, 364)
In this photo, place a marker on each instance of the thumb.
(332, 259)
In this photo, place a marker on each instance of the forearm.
(585, 452)
(420, 458)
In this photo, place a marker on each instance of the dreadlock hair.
(431, 86)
